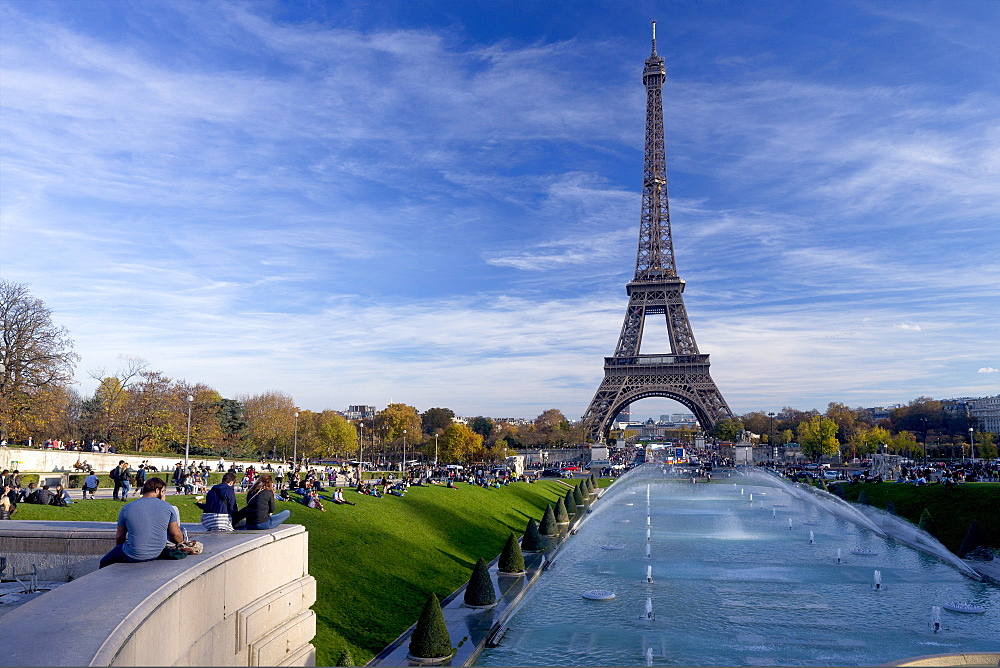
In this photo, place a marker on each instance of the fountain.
(649, 609)
(812, 538)
(751, 498)
(789, 523)
(936, 618)
(647, 520)
(649, 656)
(649, 574)
(774, 512)
(648, 550)
(742, 578)
(877, 586)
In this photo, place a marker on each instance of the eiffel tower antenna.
(683, 374)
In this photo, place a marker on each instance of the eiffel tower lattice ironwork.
(656, 289)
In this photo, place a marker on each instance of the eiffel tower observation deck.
(683, 373)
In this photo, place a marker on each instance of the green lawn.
(952, 508)
(375, 562)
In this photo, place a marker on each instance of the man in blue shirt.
(144, 526)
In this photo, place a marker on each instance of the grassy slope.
(375, 562)
(953, 509)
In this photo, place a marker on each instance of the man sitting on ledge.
(144, 526)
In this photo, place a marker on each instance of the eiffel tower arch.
(683, 374)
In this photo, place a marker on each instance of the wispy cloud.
(447, 216)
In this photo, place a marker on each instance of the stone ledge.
(962, 659)
(135, 592)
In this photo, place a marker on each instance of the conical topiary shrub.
(548, 525)
(971, 544)
(531, 541)
(570, 502)
(430, 641)
(345, 658)
(593, 481)
(578, 494)
(863, 499)
(479, 593)
(890, 508)
(927, 522)
(511, 560)
(562, 517)
(586, 486)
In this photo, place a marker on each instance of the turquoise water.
(734, 586)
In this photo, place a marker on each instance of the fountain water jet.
(878, 581)
(647, 534)
(649, 656)
(649, 608)
(812, 538)
(838, 555)
(649, 574)
(936, 618)
(648, 548)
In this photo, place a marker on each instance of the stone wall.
(36, 460)
(244, 602)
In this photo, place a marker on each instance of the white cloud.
(988, 369)
(909, 326)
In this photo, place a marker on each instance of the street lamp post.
(402, 468)
(770, 437)
(295, 441)
(187, 443)
(435, 450)
(972, 446)
(361, 449)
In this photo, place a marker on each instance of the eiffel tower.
(656, 289)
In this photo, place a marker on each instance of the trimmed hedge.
(480, 591)
(562, 517)
(430, 640)
(531, 541)
(570, 502)
(548, 526)
(511, 558)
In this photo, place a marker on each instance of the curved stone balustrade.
(243, 602)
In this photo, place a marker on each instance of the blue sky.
(438, 202)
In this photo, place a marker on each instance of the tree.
(338, 437)
(436, 420)
(727, 430)
(818, 437)
(35, 353)
(458, 443)
(271, 418)
(868, 440)
(483, 426)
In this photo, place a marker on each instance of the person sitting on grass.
(338, 498)
(43, 496)
(312, 500)
(145, 526)
(61, 497)
(259, 511)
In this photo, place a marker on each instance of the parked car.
(551, 473)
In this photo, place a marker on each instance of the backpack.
(115, 473)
